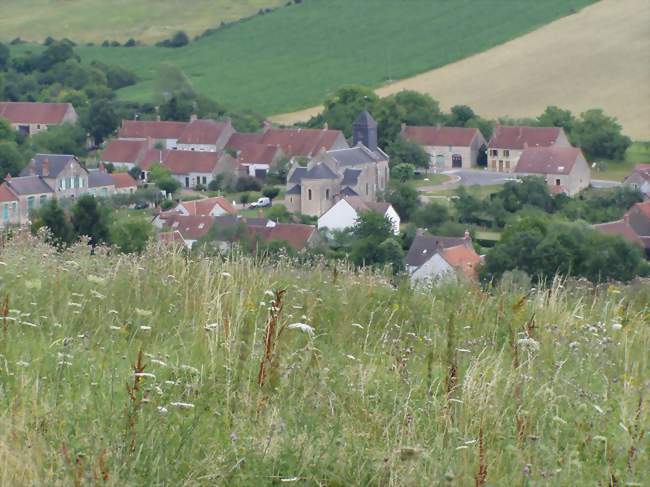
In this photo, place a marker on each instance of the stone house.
(125, 153)
(63, 173)
(205, 135)
(22, 195)
(165, 134)
(448, 147)
(432, 258)
(30, 118)
(216, 206)
(345, 213)
(360, 171)
(124, 183)
(507, 144)
(565, 168)
(100, 183)
(640, 179)
(191, 168)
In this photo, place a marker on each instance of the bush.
(131, 43)
(167, 204)
(177, 40)
(247, 183)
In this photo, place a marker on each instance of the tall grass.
(145, 370)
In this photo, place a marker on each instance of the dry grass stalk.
(481, 475)
(271, 335)
(5, 313)
(135, 397)
(76, 466)
(636, 432)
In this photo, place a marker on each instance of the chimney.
(46, 168)
(193, 117)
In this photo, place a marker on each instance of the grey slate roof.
(57, 163)
(350, 177)
(26, 185)
(365, 120)
(354, 156)
(298, 174)
(347, 191)
(97, 178)
(426, 246)
(295, 190)
(320, 171)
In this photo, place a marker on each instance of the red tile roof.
(185, 162)
(643, 170)
(205, 206)
(359, 205)
(622, 228)
(190, 227)
(124, 151)
(171, 238)
(548, 160)
(440, 136)
(137, 129)
(32, 112)
(296, 235)
(258, 154)
(152, 156)
(6, 194)
(301, 142)
(462, 258)
(643, 208)
(123, 180)
(237, 140)
(519, 137)
(202, 132)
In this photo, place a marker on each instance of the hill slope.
(295, 56)
(97, 20)
(599, 57)
(393, 387)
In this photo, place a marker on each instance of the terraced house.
(448, 147)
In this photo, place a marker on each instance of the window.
(42, 200)
(30, 203)
(5, 212)
(205, 180)
(309, 194)
(327, 194)
(506, 153)
(14, 207)
(366, 188)
(62, 184)
(71, 182)
(494, 152)
(557, 182)
(81, 182)
(508, 165)
(103, 192)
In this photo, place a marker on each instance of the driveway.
(469, 177)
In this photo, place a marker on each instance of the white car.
(261, 203)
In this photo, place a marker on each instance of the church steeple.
(365, 131)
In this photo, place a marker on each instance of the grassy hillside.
(568, 63)
(97, 20)
(296, 56)
(393, 387)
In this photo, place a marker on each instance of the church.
(361, 170)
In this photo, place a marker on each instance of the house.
(640, 179)
(124, 183)
(361, 171)
(30, 118)
(257, 159)
(216, 206)
(100, 183)
(193, 168)
(125, 153)
(22, 195)
(63, 173)
(190, 227)
(165, 134)
(448, 147)
(431, 258)
(303, 143)
(205, 135)
(633, 227)
(298, 236)
(565, 168)
(345, 213)
(507, 144)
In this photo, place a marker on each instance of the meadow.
(120, 20)
(164, 369)
(296, 56)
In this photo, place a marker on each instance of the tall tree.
(91, 220)
(54, 218)
(600, 136)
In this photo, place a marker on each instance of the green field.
(637, 153)
(98, 20)
(296, 56)
(395, 387)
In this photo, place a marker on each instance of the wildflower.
(158, 362)
(357, 325)
(162, 410)
(194, 370)
(302, 327)
(182, 405)
(463, 350)
(233, 437)
(145, 328)
(616, 326)
(143, 312)
(211, 326)
(226, 274)
(96, 279)
(144, 374)
(76, 305)
(116, 328)
(351, 357)
(528, 344)
(573, 345)
(22, 363)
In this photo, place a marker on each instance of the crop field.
(597, 58)
(99, 20)
(164, 369)
(295, 56)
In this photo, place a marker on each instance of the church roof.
(347, 191)
(354, 156)
(320, 171)
(298, 174)
(294, 190)
(365, 120)
(350, 177)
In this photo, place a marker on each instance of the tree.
(52, 216)
(600, 136)
(460, 115)
(371, 224)
(418, 108)
(130, 235)
(392, 253)
(135, 172)
(403, 172)
(405, 199)
(342, 108)
(271, 192)
(5, 54)
(11, 162)
(557, 117)
(91, 220)
(431, 216)
(244, 198)
(158, 172)
(7, 133)
(168, 185)
(179, 39)
(467, 206)
(374, 242)
(101, 120)
(61, 139)
(405, 152)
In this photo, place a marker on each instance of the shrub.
(246, 183)
(177, 40)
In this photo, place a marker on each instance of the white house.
(431, 258)
(205, 135)
(345, 213)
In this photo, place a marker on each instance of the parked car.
(261, 203)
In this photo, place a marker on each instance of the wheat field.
(598, 57)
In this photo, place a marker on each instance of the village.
(324, 181)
